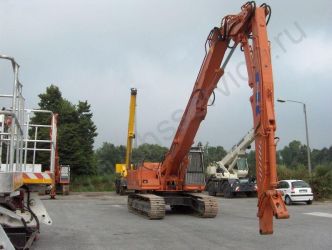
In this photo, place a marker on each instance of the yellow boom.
(122, 168)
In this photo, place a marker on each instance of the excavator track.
(149, 205)
(206, 206)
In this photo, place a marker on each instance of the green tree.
(149, 152)
(251, 159)
(108, 155)
(293, 154)
(322, 181)
(51, 99)
(320, 157)
(86, 132)
(213, 154)
(76, 131)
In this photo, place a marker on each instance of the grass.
(94, 183)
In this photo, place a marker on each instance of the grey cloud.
(97, 50)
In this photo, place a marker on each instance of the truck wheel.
(212, 193)
(65, 189)
(228, 192)
(288, 200)
(117, 187)
(249, 194)
(210, 188)
(122, 190)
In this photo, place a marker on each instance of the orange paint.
(169, 175)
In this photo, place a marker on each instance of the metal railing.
(39, 144)
(11, 132)
(21, 140)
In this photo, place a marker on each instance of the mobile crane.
(160, 183)
(120, 168)
(229, 176)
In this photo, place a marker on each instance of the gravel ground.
(102, 221)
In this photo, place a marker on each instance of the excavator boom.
(233, 27)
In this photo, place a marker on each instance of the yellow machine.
(121, 168)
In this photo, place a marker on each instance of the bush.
(320, 182)
(300, 173)
(95, 183)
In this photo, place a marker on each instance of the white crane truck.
(230, 175)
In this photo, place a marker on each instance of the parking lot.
(102, 221)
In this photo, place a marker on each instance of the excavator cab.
(241, 167)
(195, 171)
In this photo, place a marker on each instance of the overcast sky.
(97, 50)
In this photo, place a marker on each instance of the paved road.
(102, 221)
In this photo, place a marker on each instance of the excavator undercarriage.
(153, 206)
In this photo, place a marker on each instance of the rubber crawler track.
(209, 204)
(149, 205)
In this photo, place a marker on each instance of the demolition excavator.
(160, 183)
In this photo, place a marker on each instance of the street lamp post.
(306, 129)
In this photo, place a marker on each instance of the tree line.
(294, 156)
(77, 132)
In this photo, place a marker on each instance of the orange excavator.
(157, 184)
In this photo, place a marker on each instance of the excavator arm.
(247, 29)
(259, 67)
(207, 80)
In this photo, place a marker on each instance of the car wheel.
(288, 200)
(309, 202)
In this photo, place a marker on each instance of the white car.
(295, 191)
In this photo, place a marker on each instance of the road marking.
(320, 214)
(116, 205)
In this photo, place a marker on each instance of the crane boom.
(122, 168)
(242, 145)
(131, 127)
